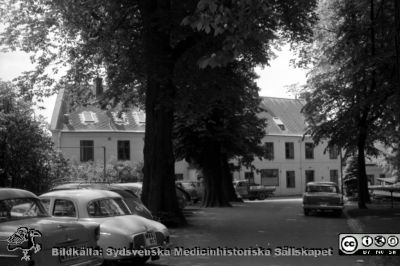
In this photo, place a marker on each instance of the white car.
(119, 229)
(28, 235)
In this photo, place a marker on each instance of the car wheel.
(306, 212)
(262, 196)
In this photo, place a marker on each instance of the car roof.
(82, 194)
(14, 193)
(321, 183)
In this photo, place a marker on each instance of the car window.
(11, 209)
(107, 207)
(64, 208)
(316, 188)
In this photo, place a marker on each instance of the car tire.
(261, 196)
(306, 212)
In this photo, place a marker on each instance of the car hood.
(129, 224)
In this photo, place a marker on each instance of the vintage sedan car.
(133, 201)
(322, 196)
(28, 234)
(119, 229)
(136, 187)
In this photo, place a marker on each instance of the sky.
(272, 82)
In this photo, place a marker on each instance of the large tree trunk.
(214, 192)
(363, 194)
(159, 175)
(228, 181)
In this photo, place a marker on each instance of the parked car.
(119, 229)
(194, 189)
(133, 201)
(322, 196)
(28, 233)
(246, 190)
(182, 196)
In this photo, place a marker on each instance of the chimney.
(99, 87)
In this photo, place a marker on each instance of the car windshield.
(107, 207)
(324, 188)
(22, 208)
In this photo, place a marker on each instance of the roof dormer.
(88, 117)
(140, 117)
(279, 123)
(120, 118)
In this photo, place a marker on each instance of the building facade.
(291, 159)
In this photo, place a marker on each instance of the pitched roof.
(91, 118)
(284, 116)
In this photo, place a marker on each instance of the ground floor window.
(370, 179)
(290, 179)
(249, 176)
(309, 176)
(334, 176)
(86, 150)
(270, 177)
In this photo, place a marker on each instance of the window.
(178, 176)
(64, 208)
(88, 117)
(382, 176)
(333, 152)
(87, 150)
(140, 117)
(120, 118)
(289, 150)
(334, 176)
(322, 188)
(370, 179)
(270, 177)
(249, 176)
(269, 150)
(309, 150)
(290, 179)
(124, 151)
(309, 176)
(279, 123)
(107, 207)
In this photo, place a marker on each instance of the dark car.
(193, 188)
(322, 196)
(133, 201)
(182, 196)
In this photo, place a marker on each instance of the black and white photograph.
(199, 132)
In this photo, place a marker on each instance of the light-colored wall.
(69, 142)
(321, 164)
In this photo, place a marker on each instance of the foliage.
(136, 46)
(28, 159)
(351, 84)
(221, 112)
(116, 171)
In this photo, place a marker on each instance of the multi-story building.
(291, 159)
(91, 134)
